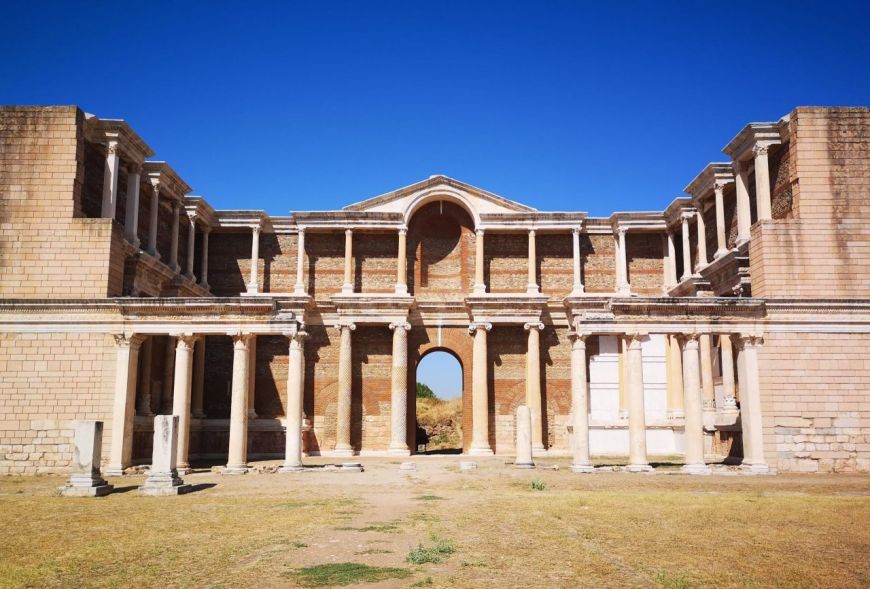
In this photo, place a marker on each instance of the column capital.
(760, 149)
(111, 147)
(531, 232)
(476, 325)
(401, 325)
(719, 186)
(192, 218)
(533, 325)
(478, 232)
(255, 229)
(134, 167)
(155, 185)
(185, 340)
(296, 337)
(747, 339)
(241, 339)
(689, 338)
(403, 230)
(633, 338)
(348, 232)
(686, 216)
(578, 338)
(348, 324)
(621, 230)
(576, 230)
(128, 340)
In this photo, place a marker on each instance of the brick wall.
(599, 265)
(645, 262)
(814, 401)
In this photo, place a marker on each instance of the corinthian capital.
(760, 149)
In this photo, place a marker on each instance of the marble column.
(198, 386)
(577, 288)
(701, 231)
(144, 380)
(762, 182)
(721, 243)
(707, 387)
(581, 461)
(479, 284)
(637, 459)
(126, 362)
(110, 181)
(624, 286)
(672, 258)
(694, 462)
(480, 391)
(533, 383)
(295, 395)
(253, 282)
(675, 379)
(750, 405)
(237, 461)
(252, 378)
(523, 438)
(687, 252)
(729, 390)
(399, 391)
(181, 396)
(532, 287)
(299, 287)
(152, 221)
(744, 212)
(173, 247)
(131, 217)
(168, 368)
(347, 287)
(203, 268)
(343, 445)
(402, 263)
(191, 246)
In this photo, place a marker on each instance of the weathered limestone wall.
(815, 401)
(824, 250)
(47, 381)
(43, 234)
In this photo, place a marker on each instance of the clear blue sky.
(442, 372)
(562, 105)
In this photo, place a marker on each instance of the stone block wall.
(47, 381)
(599, 265)
(815, 402)
(821, 248)
(645, 263)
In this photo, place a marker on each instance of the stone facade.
(732, 326)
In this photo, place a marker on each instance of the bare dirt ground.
(493, 526)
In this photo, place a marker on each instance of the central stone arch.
(441, 251)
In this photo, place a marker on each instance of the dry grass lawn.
(390, 528)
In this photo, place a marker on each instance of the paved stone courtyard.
(496, 526)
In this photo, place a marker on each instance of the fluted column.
(479, 284)
(402, 263)
(237, 461)
(152, 221)
(347, 287)
(110, 181)
(131, 217)
(701, 231)
(196, 396)
(708, 393)
(687, 252)
(577, 287)
(144, 380)
(750, 404)
(181, 397)
(532, 287)
(191, 246)
(343, 445)
(399, 392)
(252, 377)
(295, 389)
(744, 212)
(581, 461)
(479, 391)
(637, 459)
(675, 378)
(624, 286)
(762, 182)
(253, 282)
(126, 362)
(721, 243)
(203, 271)
(299, 288)
(672, 258)
(694, 463)
(533, 383)
(729, 390)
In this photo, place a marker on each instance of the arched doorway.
(438, 406)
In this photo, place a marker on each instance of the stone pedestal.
(524, 438)
(163, 478)
(85, 480)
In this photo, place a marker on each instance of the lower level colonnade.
(689, 392)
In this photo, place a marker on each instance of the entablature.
(164, 178)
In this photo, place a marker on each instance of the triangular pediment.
(401, 200)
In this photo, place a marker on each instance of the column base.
(153, 253)
(480, 452)
(539, 449)
(401, 289)
(532, 289)
(114, 471)
(236, 469)
(346, 288)
(582, 468)
(146, 491)
(524, 465)
(184, 469)
(399, 451)
(205, 285)
(639, 468)
(82, 491)
(250, 290)
(696, 469)
(343, 452)
(755, 468)
(577, 291)
(291, 468)
(720, 252)
(299, 289)
(479, 289)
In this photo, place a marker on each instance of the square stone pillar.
(163, 477)
(85, 480)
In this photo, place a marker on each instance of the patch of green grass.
(537, 485)
(423, 554)
(345, 573)
(430, 498)
(672, 582)
(423, 582)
